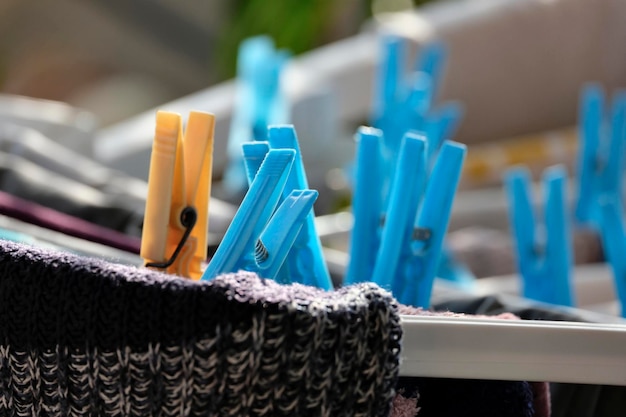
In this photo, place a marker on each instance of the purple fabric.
(36, 214)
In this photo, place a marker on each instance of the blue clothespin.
(544, 259)
(253, 154)
(613, 233)
(367, 206)
(417, 219)
(259, 103)
(239, 247)
(401, 100)
(305, 262)
(601, 154)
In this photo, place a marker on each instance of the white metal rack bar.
(471, 348)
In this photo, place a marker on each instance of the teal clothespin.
(601, 154)
(305, 263)
(613, 233)
(417, 219)
(367, 206)
(260, 102)
(243, 245)
(545, 259)
(401, 100)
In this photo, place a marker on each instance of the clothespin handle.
(404, 198)
(431, 224)
(367, 206)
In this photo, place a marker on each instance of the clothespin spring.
(188, 219)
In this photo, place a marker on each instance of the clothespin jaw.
(238, 245)
(176, 217)
(545, 261)
(367, 206)
(431, 61)
(254, 154)
(600, 158)
(431, 225)
(441, 125)
(613, 233)
(305, 260)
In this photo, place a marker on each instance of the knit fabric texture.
(80, 336)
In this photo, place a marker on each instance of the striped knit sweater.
(80, 337)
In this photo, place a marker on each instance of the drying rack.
(513, 350)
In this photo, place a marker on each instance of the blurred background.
(118, 58)
(98, 71)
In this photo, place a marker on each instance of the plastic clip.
(179, 185)
(601, 154)
(259, 237)
(417, 220)
(544, 259)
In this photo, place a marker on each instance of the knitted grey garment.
(82, 337)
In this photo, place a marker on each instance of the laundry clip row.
(403, 107)
(544, 251)
(273, 232)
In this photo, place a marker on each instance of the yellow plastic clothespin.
(179, 185)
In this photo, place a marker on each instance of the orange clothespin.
(179, 186)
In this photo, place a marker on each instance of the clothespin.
(601, 154)
(258, 239)
(401, 100)
(305, 262)
(367, 206)
(417, 219)
(259, 103)
(613, 233)
(179, 183)
(544, 254)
